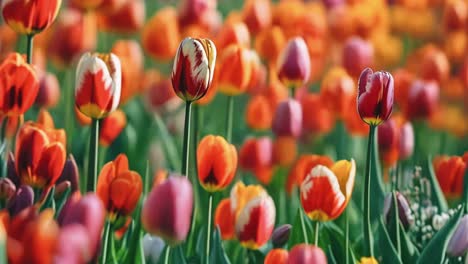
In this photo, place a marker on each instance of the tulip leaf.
(394, 224)
(465, 190)
(168, 144)
(389, 253)
(409, 252)
(217, 253)
(434, 252)
(49, 200)
(376, 185)
(336, 242)
(61, 201)
(177, 255)
(437, 196)
(297, 235)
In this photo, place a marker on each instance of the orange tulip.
(277, 256)
(160, 36)
(341, 22)
(111, 127)
(257, 15)
(434, 65)
(234, 33)
(119, 188)
(269, 43)
(316, 116)
(235, 70)
(40, 155)
(19, 85)
(353, 122)
(30, 16)
(258, 77)
(224, 219)
(450, 172)
(337, 91)
(86, 4)
(284, 150)
(455, 15)
(403, 80)
(73, 34)
(127, 19)
(8, 38)
(131, 59)
(216, 163)
(258, 114)
(302, 166)
(254, 213)
(98, 84)
(325, 192)
(193, 69)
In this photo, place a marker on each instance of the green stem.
(69, 106)
(304, 231)
(317, 229)
(3, 145)
(368, 239)
(186, 144)
(29, 51)
(105, 243)
(397, 223)
(93, 155)
(168, 254)
(208, 232)
(229, 116)
(346, 242)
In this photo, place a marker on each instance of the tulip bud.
(270, 42)
(98, 84)
(235, 69)
(30, 17)
(193, 68)
(224, 219)
(337, 91)
(357, 55)
(70, 173)
(49, 91)
(73, 245)
(293, 64)
(404, 210)
(284, 150)
(406, 141)
(168, 210)
(7, 189)
(277, 256)
(258, 113)
(303, 253)
(257, 15)
(287, 120)
(435, 66)
(111, 127)
(458, 244)
(235, 33)
(280, 235)
(23, 198)
(375, 96)
(153, 247)
(423, 98)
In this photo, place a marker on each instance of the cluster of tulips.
(258, 135)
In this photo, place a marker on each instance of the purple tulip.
(23, 199)
(167, 211)
(70, 173)
(357, 55)
(303, 254)
(288, 119)
(404, 210)
(73, 245)
(7, 189)
(280, 235)
(458, 244)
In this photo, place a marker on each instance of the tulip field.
(226, 131)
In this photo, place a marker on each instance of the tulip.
(235, 33)
(126, 19)
(371, 260)
(98, 84)
(216, 163)
(72, 245)
(404, 211)
(270, 42)
(235, 70)
(70, 174)
(450, 172)
(87, 211)
(111, 127)
(287, 120)
(388, 141)
(7, 189)
(160, 96)
(22, 199)
(160, 35)
(73, 34)
(224, 219)
(293, 64)
(302, 167)
(193, 69)
(254, 213)
(194, 11)
(18, 86)
(258, 77)
(280, 235)
(435, 65)
(153, 247)
(277, 256)
(131, 58)
(316, 116)
(39, 157)
(302, 254)
(458, 244)
(86, 4)
(258, 114)
(8, 38)
(406, 146)
(455, 15)
(337, 91)
(257, 15)
(284, 150)
(30, 17)
(325, 192)
(111, 6)
(375, 98)
(49, 91)
(423, 98)
(256, 152)
(357, 55)
(168, 210)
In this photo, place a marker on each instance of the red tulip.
(423, 98)
(126, 19)
(19, 85)
(357, 55)
(375, 96)
(193, 68)
(111, 127)
(30, 16)
(98, 84)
